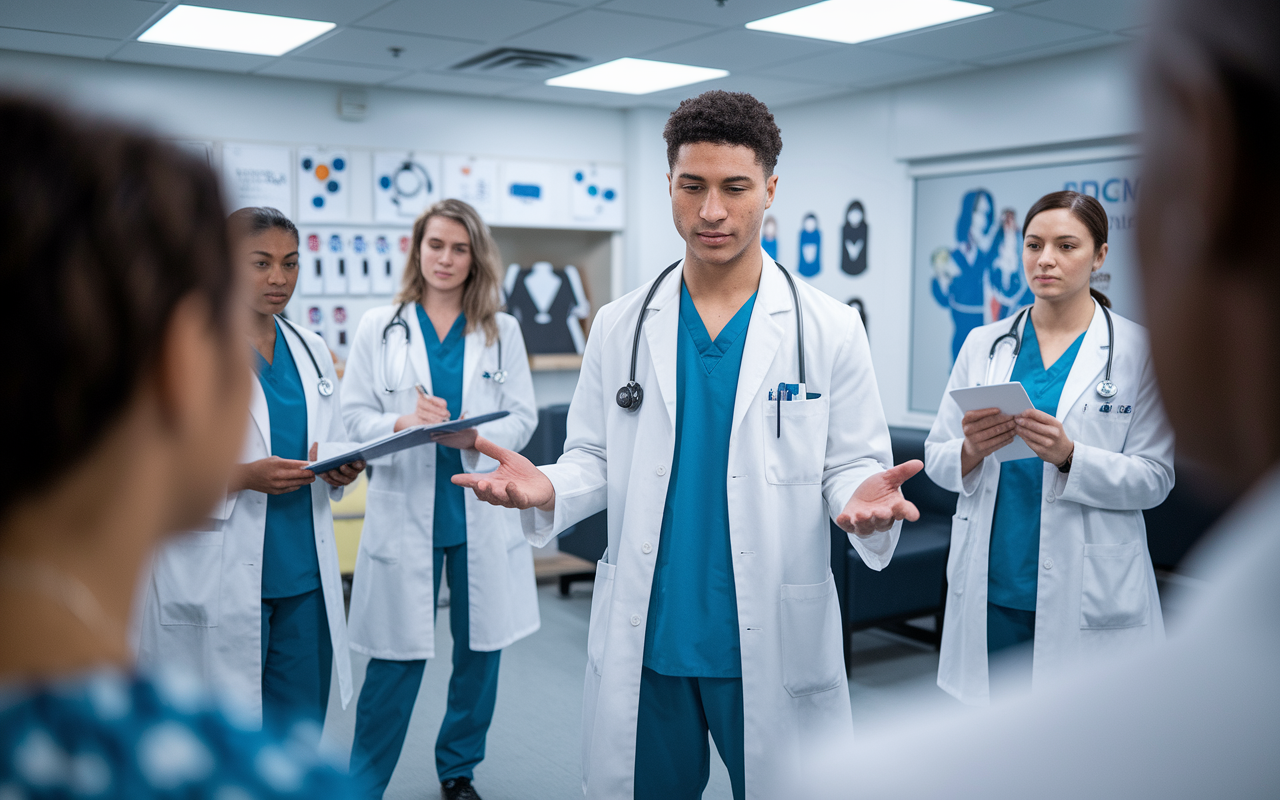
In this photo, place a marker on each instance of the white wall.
(863, 147)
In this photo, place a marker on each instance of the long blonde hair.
(481, 297)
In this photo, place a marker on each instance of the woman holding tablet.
(443, 350)
(255, 604)
(1052, 550)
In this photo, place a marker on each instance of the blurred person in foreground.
(1200, 715)
(126, 397)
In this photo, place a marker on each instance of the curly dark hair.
(724, 118)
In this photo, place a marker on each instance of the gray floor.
(534, 748)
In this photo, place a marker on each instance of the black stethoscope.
(498, 376)
(1105, 388)
(631, 396)
(323, 385)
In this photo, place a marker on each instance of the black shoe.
(458, 789)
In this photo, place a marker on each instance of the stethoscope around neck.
(498, 376)
(1106, 389)
(630, 397)
(323, 385)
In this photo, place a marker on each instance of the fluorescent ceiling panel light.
(233, 31)
(636, 76)
(853, 21)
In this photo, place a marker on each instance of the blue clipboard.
(403, 440)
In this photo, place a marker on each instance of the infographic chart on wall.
(324, 185)
(967, 255)
(257, 175)
(404, 185)
(473, 180)
(525, 198)
(596, 195)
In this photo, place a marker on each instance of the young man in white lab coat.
(714, 609)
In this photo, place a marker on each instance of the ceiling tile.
(606, 35)
(328, 71)
(341, 12)
(773, 92)
(924, 73)
(854, 65)
(734, 13)
(108, 19)
(1106, 15)
(372, 48)
(190, 57)
(582, 97)
(1077, 45)
(60, 44)
(476, 20)
(454, 84)
(741, 50)
(983, 37)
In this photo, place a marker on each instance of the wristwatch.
(1065, 466)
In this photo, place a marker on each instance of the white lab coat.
(391, 598)
(781, 491)
(203, 603)
(1096, 590)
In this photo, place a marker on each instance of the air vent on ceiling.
(514, 60)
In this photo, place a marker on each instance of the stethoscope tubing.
(1105, 389)
(323, 385)
(498, 376)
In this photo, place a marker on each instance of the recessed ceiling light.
(234, 31)
(636, 76)
(852, 21)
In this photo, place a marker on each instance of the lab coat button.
(646, 548)
(1048, 563)
(1050, 497)
(662, 470)
(635, 620)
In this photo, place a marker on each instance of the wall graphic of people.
(769, 236)
(1007, 285)
(810, 246)
(961, 280)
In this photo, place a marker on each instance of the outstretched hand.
(878, 502)
(516, 483)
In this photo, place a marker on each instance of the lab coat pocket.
(384, 523)
(958, 560)
(601, 608)
(1114, 592)
(812, 659)
(1107, 431)
(188, 579)
(794, 451)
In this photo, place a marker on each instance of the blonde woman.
(442, 350)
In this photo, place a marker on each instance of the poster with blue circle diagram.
(596, 193)
(404, 185)
(324, 190)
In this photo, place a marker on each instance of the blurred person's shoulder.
(110, 735)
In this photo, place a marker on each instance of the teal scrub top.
(693, 609)
(449, 524)
(290, 565)
(1015, 528)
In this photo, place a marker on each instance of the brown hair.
(253, 220)
(720, 117)
(104, 230)
(481, 295)
(1084, 208)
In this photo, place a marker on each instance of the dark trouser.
(391, 688)
(1010, 635)
(673, 757)
(297, 658)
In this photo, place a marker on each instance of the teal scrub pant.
(297, 658)
(673, 757)
(391, 688)
(1010, 632)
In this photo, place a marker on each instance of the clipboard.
(403, 440)
(1010, 398)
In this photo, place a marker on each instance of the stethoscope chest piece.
(499, 377)
(1107, 389)
(325, 387)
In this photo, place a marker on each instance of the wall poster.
(967, 255)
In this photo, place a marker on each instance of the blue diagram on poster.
(595, 194)
(405, 185)
(323, 191)
(853, 250)
(810, 246)
(769, 236)
(967, 265)
(526, 191)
